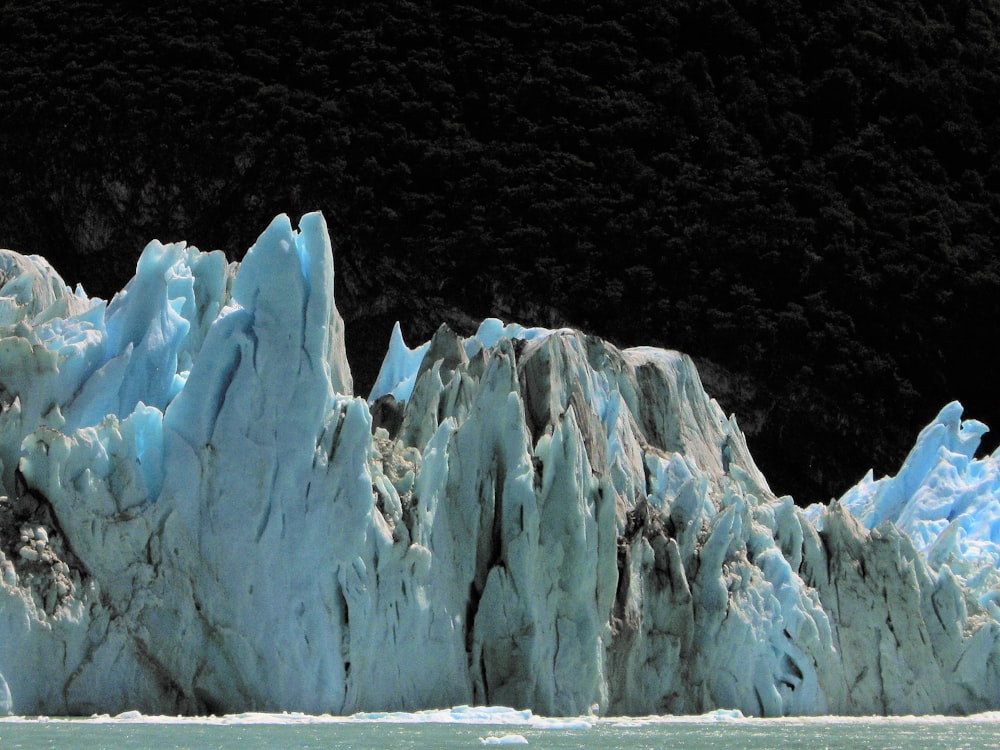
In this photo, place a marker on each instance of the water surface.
(477, 728)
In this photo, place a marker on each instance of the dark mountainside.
(804, 197)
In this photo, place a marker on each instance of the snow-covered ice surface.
(200, 517)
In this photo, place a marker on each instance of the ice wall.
(200, 517)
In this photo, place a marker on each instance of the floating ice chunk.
(562, 724)
(457, 715)
(504, 739)
(724, 714)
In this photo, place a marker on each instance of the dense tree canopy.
(803, 196)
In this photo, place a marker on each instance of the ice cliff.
(199, 516)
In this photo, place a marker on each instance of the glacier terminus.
(199, 516)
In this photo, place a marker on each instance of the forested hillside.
(803, 196)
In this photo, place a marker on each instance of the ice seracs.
(945, 499)
(199, 516)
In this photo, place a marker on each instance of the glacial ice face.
(945, 500)
(199, 516)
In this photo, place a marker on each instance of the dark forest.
(805, 197)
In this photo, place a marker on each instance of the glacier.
(198, 516)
